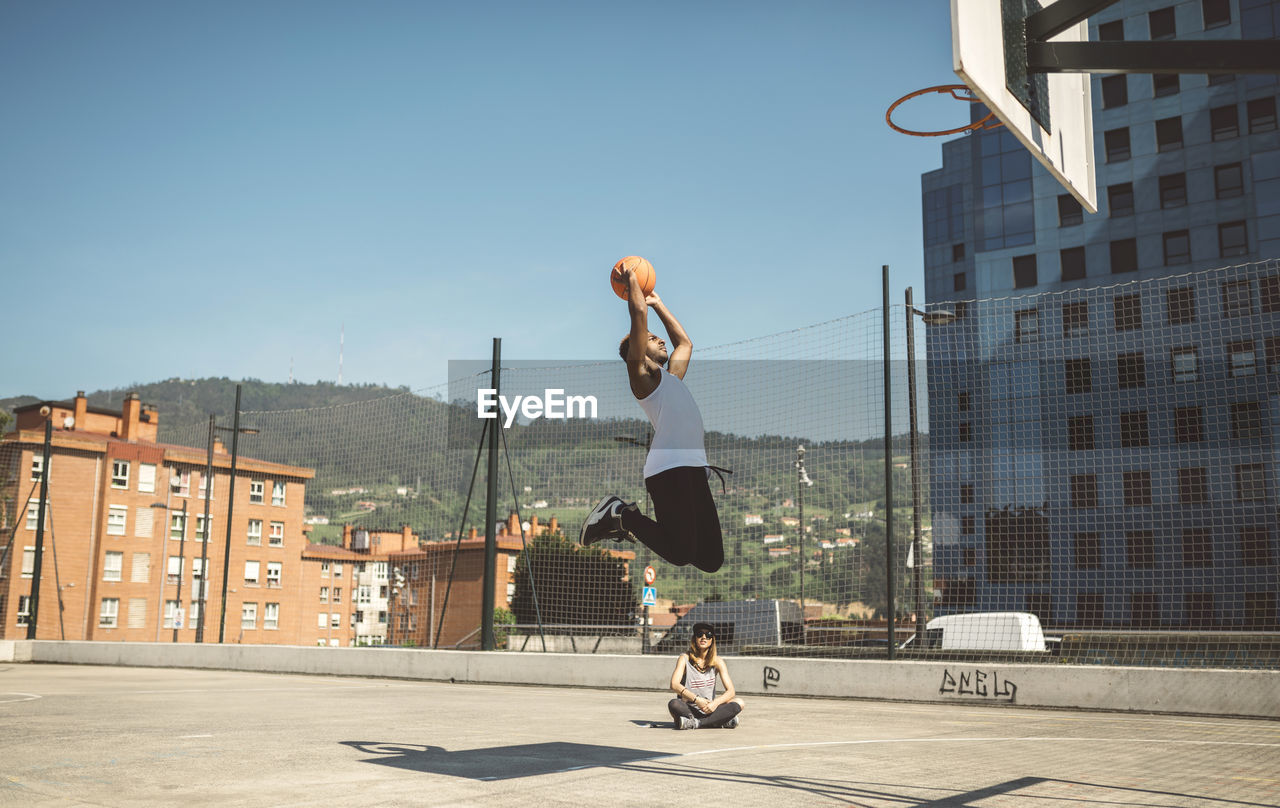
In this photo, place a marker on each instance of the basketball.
(643, 271)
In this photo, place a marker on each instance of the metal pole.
(201, 595)
(487, 639)
(889, 571)
(182, 560)
(800, 541)
(34, 604)
(231, 501)
(917, 576)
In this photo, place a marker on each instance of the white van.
(983, 631)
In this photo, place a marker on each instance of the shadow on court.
(500, 762)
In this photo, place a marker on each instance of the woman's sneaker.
(686, 722)
(732, 723)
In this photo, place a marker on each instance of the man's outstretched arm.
(681, 349)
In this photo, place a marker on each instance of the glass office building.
(1104, 411)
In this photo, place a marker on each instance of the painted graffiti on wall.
(978, 683)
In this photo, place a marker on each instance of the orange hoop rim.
(989, 122)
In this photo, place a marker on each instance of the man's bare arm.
(642, 382)
(681, 346)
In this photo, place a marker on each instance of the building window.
(141, 573)
(1140, 548)
(177, 526)
(1218, 79)
(1224, 122)
(1131, 370)
(1084, 490)
(274, 570)
(1193, 486)
(1246, 420)
(1271, 346)
(337, 594)
(957, 252)
(1241, 358)
(324, 594)
(174, 572)
(1255, 546)
(1124, 256)
(249, 616)
(109, 613)
(1233, 239)
(324, 569)
(255, 533)
(1137, 489)
(204, 484)
(1127, 312)
(117, 520)
(28, 562)
(147, 478)
(1026, 325)
(1251, 482)
(1173, 190)
(113, 566)
(24, 609)
(968, 525)
(37, 466)
(1073, 268)
(1228, 180)
(277, 494)
(1262, 115)
(1075, 318)
(1169, 134)
(337, 569)
(957, 282)
(201, 533)
(1116, 142)
(170, 613)
(1161, 23)
(1080, 433)
(966, 494)
(1024, 271)
(183, 480)
(1111, 31)
(1163, 84)
(256, 488)
(1069, 211)
(1115, 91)
(322, 622)
(1199, 609)
(1216, 13)
(1182, 305)
(1133, 429)
(119, 473)
(33, 517)
(1144, 607)
(251, 571)
(1088, 551)
(336, 619)
(271, 616)
(1269, 291)
(276, 537)
(1177, 247)
(1237, 298)
(1188, 424)
(966, 432)
(1079, 373)
(962, 400)
(1197, 547)
(1120, 198)
(1185, 364)
(1090, 608)
(1260, 608)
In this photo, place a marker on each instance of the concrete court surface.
(100, 736)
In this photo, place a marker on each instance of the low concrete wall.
(1155, 690)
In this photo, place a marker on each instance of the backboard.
(1050, 113)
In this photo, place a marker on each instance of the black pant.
(680, 708)
(687, 530)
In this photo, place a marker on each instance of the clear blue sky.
(214, 189)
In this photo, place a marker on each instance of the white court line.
(1056, 739)
(25, 697)
(195, 736)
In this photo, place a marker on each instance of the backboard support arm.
(1203, 56)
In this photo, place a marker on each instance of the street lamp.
(629, 440)
(938, 317)
(802, 482)
(182, 560)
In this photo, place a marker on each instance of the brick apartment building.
(117, 542)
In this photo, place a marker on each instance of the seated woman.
(694, 680)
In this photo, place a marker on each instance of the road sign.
(650, 596)
(650, 575)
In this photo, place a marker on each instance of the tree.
(575, 585)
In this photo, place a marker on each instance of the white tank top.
(677, 426)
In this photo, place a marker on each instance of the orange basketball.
(642, 269)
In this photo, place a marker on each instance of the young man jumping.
(687, 528)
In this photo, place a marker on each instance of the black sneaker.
(604, 522)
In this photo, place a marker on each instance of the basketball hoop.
(989, 122)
